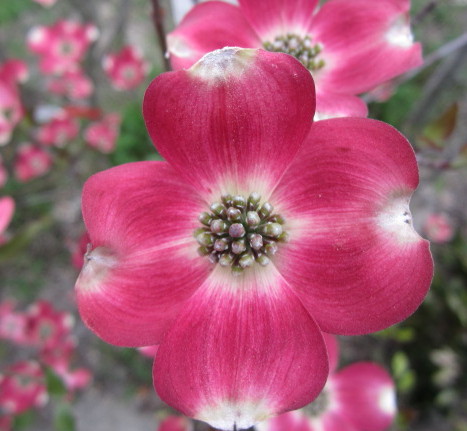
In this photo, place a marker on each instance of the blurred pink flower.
(73, 84)
(175, 423)
(59, 357)
(59, 131)
(22, 386)
(62, 45)
(237, 291)
(438, 228)
(103, 134)
(7, 209)
(360, 397)
(350, 47)
(31, 162)
(46, 3)
(46, 326)
(12, 323)
(126, 69)
(11, 110)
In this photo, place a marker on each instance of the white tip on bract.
(242, 414)
(178, 47)
(223, 63)
(396, 219)
(399, 33)
(36, 36)
(387, 400)
(97, 264)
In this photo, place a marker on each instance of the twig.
(157, 18)
(430, 7)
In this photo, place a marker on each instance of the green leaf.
(55, 385)
(64, 419)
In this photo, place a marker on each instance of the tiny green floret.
(301, 47)
(239, 232)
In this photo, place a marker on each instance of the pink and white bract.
(126, 69)
(22, 386)
(349, 46)
(360, 397)
(62, 45)
(103, 134)
(31, 162)
(12, 72)
(192, 254)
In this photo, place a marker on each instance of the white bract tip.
(223, 63)
(399, 34)
(387, 401)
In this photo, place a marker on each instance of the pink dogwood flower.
(349, 46)
(59, 131)
(126, 69)
(62, 45)
(7, 209)
(12, 72)
(22, 386)
(257, 229)
(31, 162)
(73, 84)
(360, 397)
(438, 228)
(103, 134)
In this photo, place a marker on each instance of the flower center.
(239, 231)
(300, 47)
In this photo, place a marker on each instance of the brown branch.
(158, 20)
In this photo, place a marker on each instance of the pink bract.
(59, 131)
(103, 134)
(31, 162)
(360, 397)
(126, 68)
(350, 47)
(22, 386)
(239, 340)
(62, 45)
(12, 323)
(12, 72)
